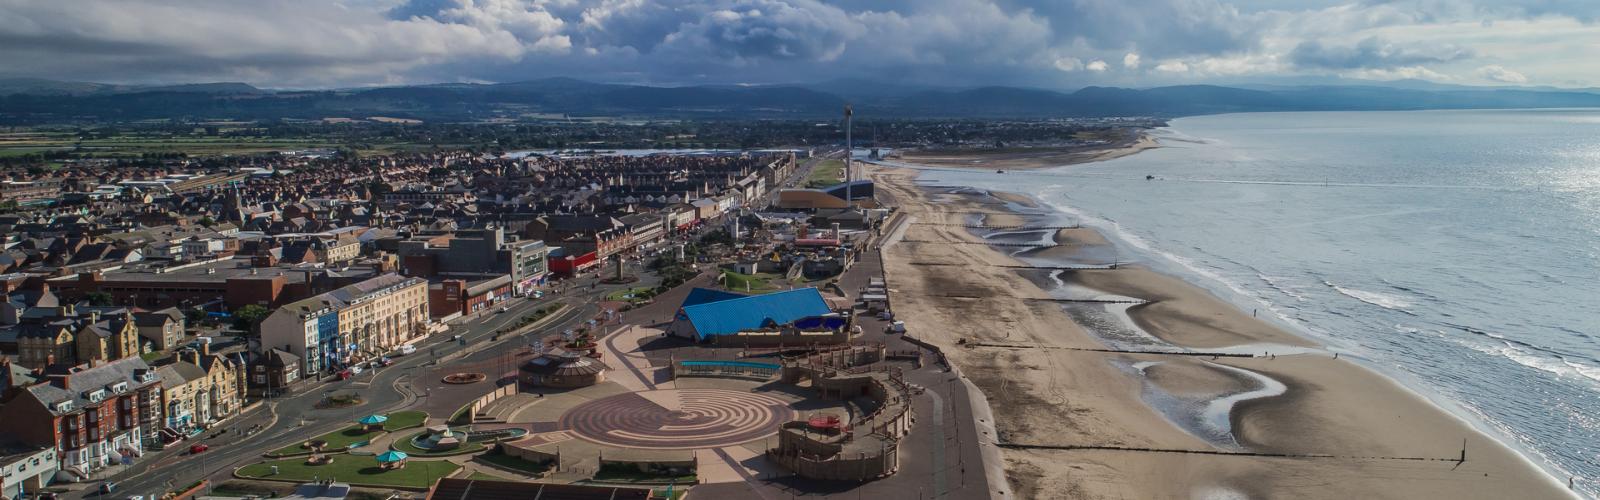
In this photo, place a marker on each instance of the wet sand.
(1363, 429)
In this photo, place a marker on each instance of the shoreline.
(1136, 141)
(1058, 398)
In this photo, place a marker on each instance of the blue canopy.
(373, 420)
(732, 315)
(392, 456)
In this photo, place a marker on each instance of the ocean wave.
(1275, 285)
(1384, 300)
(1553, 364)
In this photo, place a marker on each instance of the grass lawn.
(462, 416)
(749, 282)
(402, 420)
(826, 173)
(513, 463)
(337, 440)
(628, 294)
(360, 470)
(347, 436)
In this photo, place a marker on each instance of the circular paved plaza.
(678, 419)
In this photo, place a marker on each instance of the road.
(294, 418)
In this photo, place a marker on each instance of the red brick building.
(94, 415)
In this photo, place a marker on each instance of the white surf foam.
(1384, 300)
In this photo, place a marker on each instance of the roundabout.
(678, 419)
(464, 378)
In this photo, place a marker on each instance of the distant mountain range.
(32, 101)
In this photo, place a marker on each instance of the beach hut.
(373, 423)
(392, 459)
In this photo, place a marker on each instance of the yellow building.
(199, 390)
(73, 337)
(383, 312)
(342, 249)
(351, 324)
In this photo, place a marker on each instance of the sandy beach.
(1077, 421)
(1131, 142)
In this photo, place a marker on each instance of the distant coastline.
(1128, 142)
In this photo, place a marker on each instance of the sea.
(1455, 251)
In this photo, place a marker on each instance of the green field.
(359, 470)
(342, 438)
(127, 146)
(762, 282)
(826, 173)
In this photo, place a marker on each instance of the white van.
(407, 349)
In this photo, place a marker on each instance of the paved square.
(678, 419)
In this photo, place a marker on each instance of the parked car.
(198, 448)
(406, 349)
(108, 487)
(895, 327)
(356, 369)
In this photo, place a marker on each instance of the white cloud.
(955, 42)
(1172, 67)
(1498, 73)
(1404, 73)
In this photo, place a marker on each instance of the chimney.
(205, 350)
(94, 317)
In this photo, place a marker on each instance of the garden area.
(612, 474)
(750, 283)
(404, 444)
(353, 469)
(826, 173)
(633, 295)
(343, 438)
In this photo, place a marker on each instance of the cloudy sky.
(1040, 43)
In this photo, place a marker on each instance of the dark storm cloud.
(1369, 53)
(1018, 42)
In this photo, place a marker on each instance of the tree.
(98, 299)
(207, 221)
(247, 317)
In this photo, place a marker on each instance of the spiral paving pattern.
(678, 419)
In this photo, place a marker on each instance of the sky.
(1032, 43)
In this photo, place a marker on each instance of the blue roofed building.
(707, 313)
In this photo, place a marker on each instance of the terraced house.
(93, 415)
(352, 324)
(65, 335)
(198, 390)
